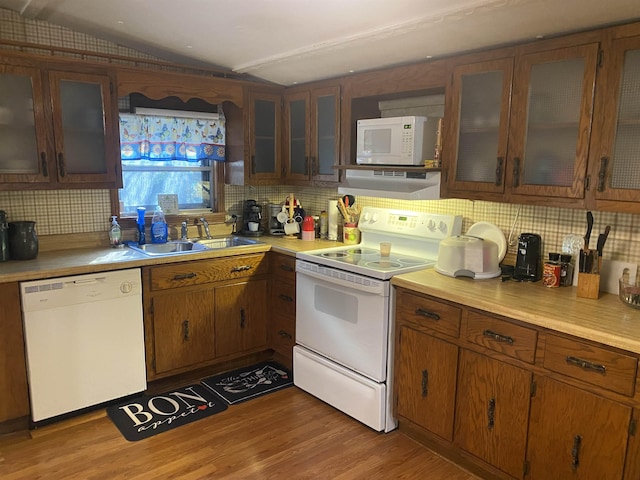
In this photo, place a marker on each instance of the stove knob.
(431, 225)
(365, 217)
(374, 218)
(442, 227)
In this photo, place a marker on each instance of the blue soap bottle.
(159, 230)
(140, 224)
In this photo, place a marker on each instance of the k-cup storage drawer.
(501, 336)
(283, 333)
(429, 313)
(283, 299)
(283, 266)
(207, 271)
(592, 364)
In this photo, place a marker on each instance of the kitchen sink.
(226, 242)
(169, 248)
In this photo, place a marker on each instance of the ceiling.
(297, 41)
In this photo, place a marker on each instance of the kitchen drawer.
(429, 313)
(596, 365)
(502, 336)
(207, 271)
(283, 266)
(283, 298)
(282, 333)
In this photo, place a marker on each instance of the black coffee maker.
(252, 219)
(529, 258)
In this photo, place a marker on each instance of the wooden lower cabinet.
(492, 411)
(183, 329)
(575, 434)
(426, 381)
(241, 317)
(282, 307)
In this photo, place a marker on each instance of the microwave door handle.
(375, 290)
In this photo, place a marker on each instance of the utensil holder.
(588, 285)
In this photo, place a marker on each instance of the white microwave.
(396, 140)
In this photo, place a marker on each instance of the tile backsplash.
(80, 211)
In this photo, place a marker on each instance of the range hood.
(401, 185)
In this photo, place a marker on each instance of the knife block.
(589, 285)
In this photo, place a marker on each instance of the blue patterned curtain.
(151, 137)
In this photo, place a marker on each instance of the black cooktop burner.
(383, 264)
(335, 254)
(362, 251)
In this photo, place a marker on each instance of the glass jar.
(23, 240)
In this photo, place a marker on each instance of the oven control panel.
(416, 224)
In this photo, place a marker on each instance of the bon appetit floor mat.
(246, 383)
(145, 416)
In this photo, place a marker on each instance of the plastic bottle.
(159, 230)
(324, 224)
(115, 233)
(140, 223)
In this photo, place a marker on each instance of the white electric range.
(344, 336)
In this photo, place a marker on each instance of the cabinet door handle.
(43, 163)
(314, 166)
(184, 276)
(425, 313)
(586, 365)
(498, 337)
(61, 164)
(602, 174)
(425, 383)
(284, 334)
(516, 172)
(241, 268)
(242, 318)
(253, 164)
(491, 413)
(575, 452)
(185, 330)
(286, 298)
(499, 168)
(287, 268)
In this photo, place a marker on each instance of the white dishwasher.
(84, 340)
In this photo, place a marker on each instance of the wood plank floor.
(284, 435)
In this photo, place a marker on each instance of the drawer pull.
(287, 268)
(184, 276)
(243, 318)
(284, 334)
(185, 330)
(425, 383)
(575, 452)
(498, 337)
(428, 314)
(584, 364)
(286, 298)
(241, 268)
(491, 413)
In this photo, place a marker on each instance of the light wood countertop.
(58, 263)
(605, 320)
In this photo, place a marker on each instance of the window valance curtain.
(155, 137)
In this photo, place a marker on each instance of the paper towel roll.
(332, 211)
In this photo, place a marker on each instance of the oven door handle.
(376, 289)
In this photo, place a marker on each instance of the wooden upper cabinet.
(550, 130)
(616, 170)
(59, 128)
(478, 119)
(264, 160)
(325, 133)
(296, 137)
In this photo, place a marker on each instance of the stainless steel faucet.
(184, 236)
(205, 224)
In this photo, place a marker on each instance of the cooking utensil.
(587, 236)
(349, 200)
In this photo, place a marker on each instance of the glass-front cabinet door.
(296, 135)
(24, 153)
(551, 121)
(618, 158)
(325, 132)
(264, 157)
(480, 101)
(83, 127)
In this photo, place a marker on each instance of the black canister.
(4, 237)
(23, 240)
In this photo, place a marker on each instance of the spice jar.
(551, 271)
(566, 270)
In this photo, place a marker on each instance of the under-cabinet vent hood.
(401, 185)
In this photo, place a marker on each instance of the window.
(168, 152)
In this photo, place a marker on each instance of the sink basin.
(169, 248)
(226, 242)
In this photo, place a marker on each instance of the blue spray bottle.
(140, 223)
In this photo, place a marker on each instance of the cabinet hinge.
(587, 183)
(600, 58)
(633, 426)
(534, 386)
(525, 468)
